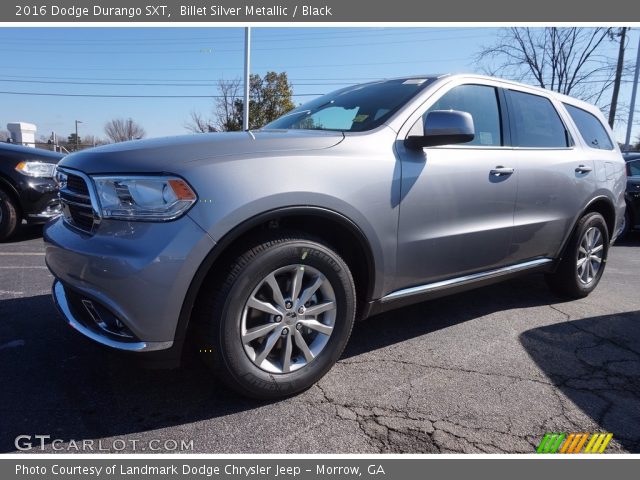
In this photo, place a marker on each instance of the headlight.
(149, 198)
(36, 169)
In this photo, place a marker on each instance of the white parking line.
(19, 267)
(22, 254)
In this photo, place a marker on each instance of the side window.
(591, 130)
(634, 168)
(482, 103)
(536, 122)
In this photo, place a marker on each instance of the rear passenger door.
(555, 179)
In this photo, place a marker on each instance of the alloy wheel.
(590, 255)
(288, 319)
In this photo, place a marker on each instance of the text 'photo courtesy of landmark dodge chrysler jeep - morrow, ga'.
(261, 248)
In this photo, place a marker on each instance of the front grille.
(76, 203)
(77, 184)
(82, 217)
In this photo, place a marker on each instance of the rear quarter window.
(591, 129)
(536, 122)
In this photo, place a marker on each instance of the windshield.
(353, 109)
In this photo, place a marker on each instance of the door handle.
(583, 169)
(499, 171)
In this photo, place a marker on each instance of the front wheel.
(281, 318)
(9, 216)
(583, 264)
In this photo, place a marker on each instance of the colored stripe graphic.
(570, 441)
(561, 437)
(551, 442)
(543, 443)
(606, 441)
(580, 444)
(592, 440)
(574, 442)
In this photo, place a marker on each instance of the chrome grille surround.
(80, 207)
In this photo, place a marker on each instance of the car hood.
(170, 154)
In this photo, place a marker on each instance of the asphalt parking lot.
(486, 371)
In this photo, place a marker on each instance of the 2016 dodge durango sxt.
(262, 247)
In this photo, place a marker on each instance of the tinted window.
(592, 131)
(353, 109)
(536, 122)
(482, 103)
(634, 168)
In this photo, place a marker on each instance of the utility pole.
(632, 107)
(247, 74)
(77, 143)
(618, 77)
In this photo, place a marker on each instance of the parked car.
(27, 188)
(632, 196)
(262, 247)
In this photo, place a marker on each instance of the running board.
(420, 293)
(467, 279)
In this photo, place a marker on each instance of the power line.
(129, 84)
(268, 67)
(235, 50)
(96, 95)
(75, 78)
(235, 38)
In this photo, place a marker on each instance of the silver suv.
(258, 249)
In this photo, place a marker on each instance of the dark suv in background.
(27, 188)
(632, 196)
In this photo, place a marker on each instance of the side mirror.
(443, 127)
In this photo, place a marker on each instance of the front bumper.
(91, 327)
(39, 199)
(129, 274)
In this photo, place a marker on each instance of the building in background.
(23, 133)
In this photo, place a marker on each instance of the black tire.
(566, 280)
(220, 317)
(9, 216)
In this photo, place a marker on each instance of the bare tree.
(123, 129)
(269, 98)
(568, 60)
(226, 111)
(93, 141)
(199, 124)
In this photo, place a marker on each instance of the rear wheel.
(583, 264)
(281, 319)
(9, 216)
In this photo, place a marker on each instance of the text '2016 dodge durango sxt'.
(263, 247)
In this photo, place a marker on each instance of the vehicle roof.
(451, 76)
(628, 156)
(439, 80)
(16, 150)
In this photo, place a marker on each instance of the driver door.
(456, 212)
